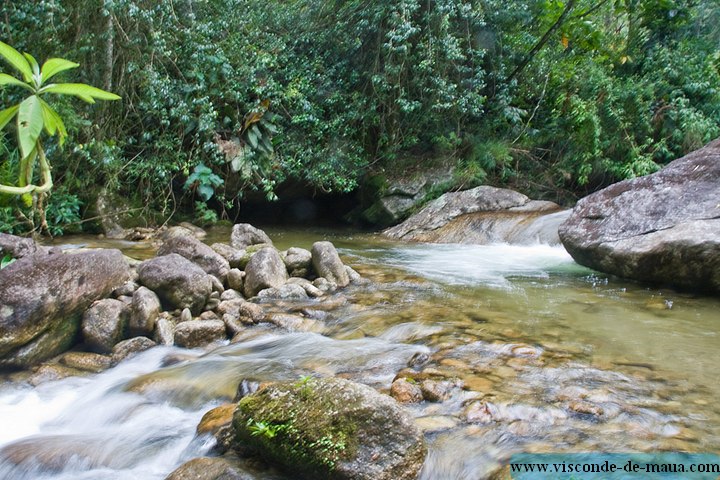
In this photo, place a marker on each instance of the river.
(553, 357)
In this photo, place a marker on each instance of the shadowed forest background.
(229, 100)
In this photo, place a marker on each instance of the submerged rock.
(330, 428)
(662, 228)
(177, 281)
(43, 297)
(482, 215)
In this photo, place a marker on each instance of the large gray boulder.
(104, 324)
(197, 252)
(243, 235)
(177, 281)
(265, 269)
(330, 428)
(481, 215)
(662, 228)
(16, 247)
(43, 297)
(145, 309)
(327, 263)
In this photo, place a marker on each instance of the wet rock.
(208, 468)
(198, 253)
(251, 313)
(177, 281)
(130, 347)
(216, 418)
(353, 275)
(298, 262)
(661, 228)
(307, 285)
(436, 391)
(324, 285)
(232, 255)
(51, 372)
(585, 408)
(187, 392)
(104, 324)
(198, 333)
(245, 388)
(264, 270)
(481, 412)
(87, 362)
(144, 312)
(327, 264)
(436, 423)
(165, 331)
(243, 235)
(331, 428)
(43, 298)
(405, 391)
(482, 215)
(294, 323)
(288, 291)
(236, 279)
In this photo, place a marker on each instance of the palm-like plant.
(34, 114)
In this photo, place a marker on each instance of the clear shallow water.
(553, 356)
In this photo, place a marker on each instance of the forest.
(225, 100)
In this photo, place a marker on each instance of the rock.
(196, 231)
(324, 285)
(406, 392)
(243, 235)
(231, 294)
(327, 264)
(16, 247)
(236, 279)
(126, 289)
(435, 391)
(199, 333)
(208, 468)
(288, 291)
(251, 313)
(165, 331)
(298, 261)
(307, 285)
(186, 315)
(51, 372)
(233, 256)
(216, 418)
(264, 270)
(177, 281)
(661, 228)
(217, 286)
(87, 362)
(330, 428)
(104, 324)
(144, 312)
(198, 253)
(43, 298)
(294, 323)
(130, 347)
(209, 316)
(480, 215)
(353, 275)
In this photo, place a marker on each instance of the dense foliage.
(225, 97)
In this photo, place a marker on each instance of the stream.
(548, 356)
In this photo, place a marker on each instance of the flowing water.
(546, 356)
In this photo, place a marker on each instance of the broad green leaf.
(80, 90)
(16, 59)
(7, 115)
(6, 261)
(6, 79)
(53, 66)
(30, 124)
(33, 63)
(48, 112)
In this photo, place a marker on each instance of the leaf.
(253, 137)
(206, 192)
(53, 66)
(16, 59)
(236, 164)
(30, 124)
(6, 79)
(6, 260)
(80, 90)
(565, 41)
(33, 63)
(53, 121)
(7, 115)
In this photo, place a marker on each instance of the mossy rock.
(330, 428)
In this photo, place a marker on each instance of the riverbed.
(547, 356)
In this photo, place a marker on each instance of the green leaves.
(53, 66)
(53, 122)
(6, 261)
(16, 59)
(80, 90)
(7, 115)
(6, 79)
(30, 124)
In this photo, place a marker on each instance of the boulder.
(298, 261)
(177, 281)
(197, 252)
(243, 235)
(330, 428)
(481, 215)
(86, 362)
(209, 468)
(130, 347)
(289, 291)
(662, 228)
(236, 279)
(104, 324)
(16, 247)
(43, 298)
(198, 333)
(232, 255)
(264, 270)
(327, 263)
(144, 311)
